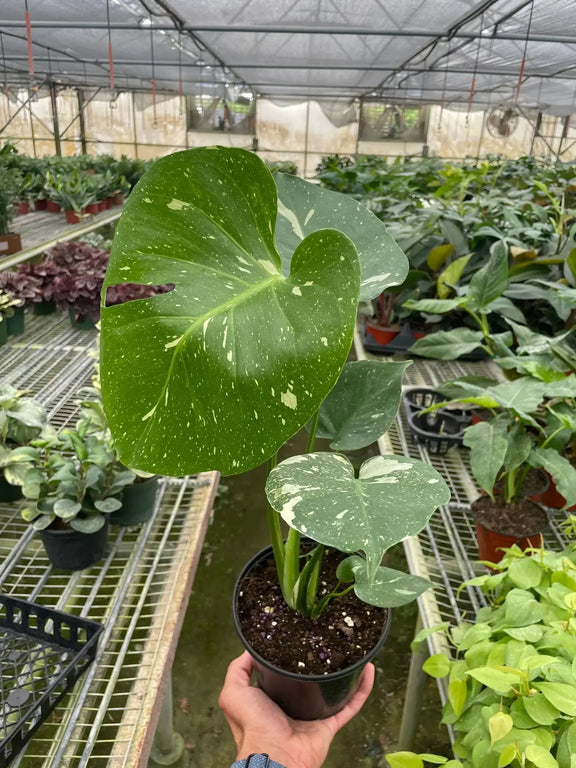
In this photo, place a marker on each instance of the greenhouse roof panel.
(427, 51)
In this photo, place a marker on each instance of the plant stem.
(312, 435)
(552, 436)
(275, 529)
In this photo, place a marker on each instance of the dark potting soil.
(345, 632)
(520, 519)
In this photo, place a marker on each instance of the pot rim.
(542, 511)
(295, 675)
(67, 531)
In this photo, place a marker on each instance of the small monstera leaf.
(304, 208)
(222, 370)
(389, 588)
(362, 405)
(394, 497)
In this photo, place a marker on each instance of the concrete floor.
(208, 642)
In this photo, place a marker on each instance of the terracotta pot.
(419, 334)
(72, 217)
(40, 205)
(53, 207)
(304, 697)
(492, 543)
(109, 202)
(22, 208)
(93, 208)
(10, 243)
(102, 205)
(382, 335)
(551, 497)
(118, 200)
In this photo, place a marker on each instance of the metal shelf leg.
(168, 745)
(414, 694)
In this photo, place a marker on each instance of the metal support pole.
(134, 124)
(168, 745)
(29, 103)
(535, 132)
(565, 124)
(306, 139)
(414, 694)
(80, 96)
(54, 105)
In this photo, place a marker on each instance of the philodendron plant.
(250, 345)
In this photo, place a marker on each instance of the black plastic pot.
(70, 550)
(44, 308)
(16, 322)
(80, 322)
(3, 332)
(138, 502)
(438, 430)
(304, 697)
(9, 492)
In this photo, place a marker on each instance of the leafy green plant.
(7, 304)
(69, 479)
(250, 345)
(512, 681)
(21, 420)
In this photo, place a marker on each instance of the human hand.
(259, 725)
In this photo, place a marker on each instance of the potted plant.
(139, 496)
(219, 372)
(72, 483)
(10, 242)
(21, 420)
(505, 448)
(8, 305)
(512, 689)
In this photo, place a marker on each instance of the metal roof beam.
(290, 29)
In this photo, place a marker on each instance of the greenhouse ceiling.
(455, 52)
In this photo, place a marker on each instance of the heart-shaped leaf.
(394, 497)
(389, 588)
(488, 447)
(304, 208)
(448, 345)
(221, 371)
(362, 405)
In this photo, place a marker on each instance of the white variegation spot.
(289, 399)
(177, 205)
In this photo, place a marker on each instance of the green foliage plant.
(21, 420)
(250, 346)
(70, 479)
(512, 680)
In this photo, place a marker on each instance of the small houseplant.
(8, 306)
(21, 420)
(72, 483)
(506, 447)
(219, 372)
(512, 687)
(10, 242)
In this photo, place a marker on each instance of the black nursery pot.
(44, 308)
(138, 502)
(9, 492)
(71, 550)
(304, 697)
(15, 324)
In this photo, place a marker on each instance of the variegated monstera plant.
(250, 345)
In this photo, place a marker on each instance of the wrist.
(258, 761)
(278, 757)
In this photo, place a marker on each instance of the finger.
(356, 703)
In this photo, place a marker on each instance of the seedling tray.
(438, 430)
(42, 654)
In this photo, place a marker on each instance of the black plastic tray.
(42, 654)
(402, 343)
(438, 430)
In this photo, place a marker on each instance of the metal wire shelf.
(139, 592)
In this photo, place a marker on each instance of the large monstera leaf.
(222, 370)
(393, 497)
(304, 208)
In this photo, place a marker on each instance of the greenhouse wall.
(135, 124)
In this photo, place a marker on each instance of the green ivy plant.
(250, 345)
(512, 681)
